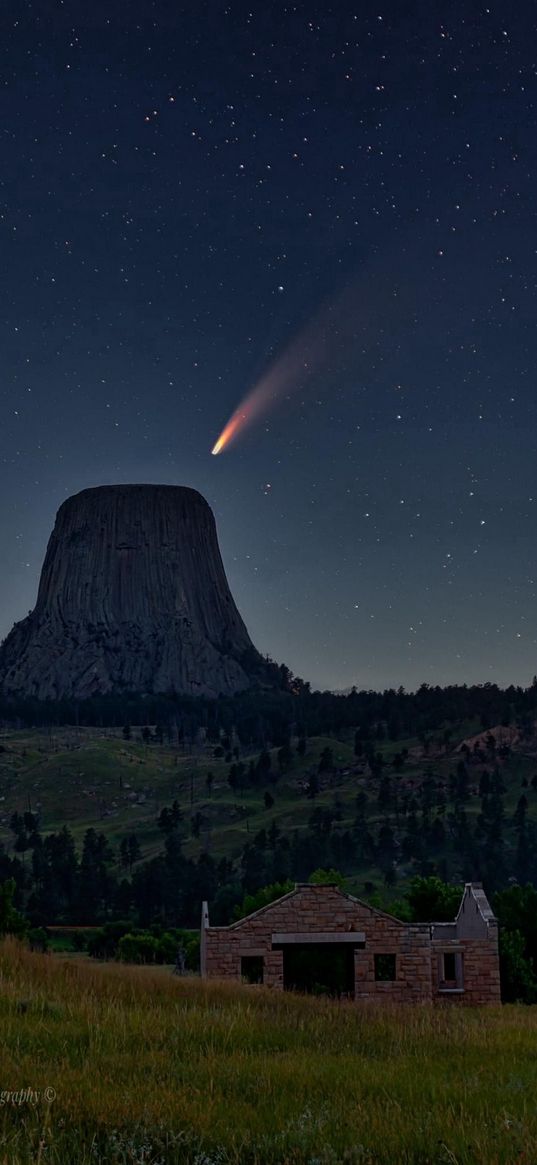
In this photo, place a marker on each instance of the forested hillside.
(166, 802)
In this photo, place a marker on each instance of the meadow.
(144, 1067)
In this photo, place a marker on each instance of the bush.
(152, 947)
(103, 943)
(139, 948)
(79, 940)
(38, 939)
(11, 922)
(519, 984)
(130, 944)
(192, 952)
(167, 946)
(432, 900)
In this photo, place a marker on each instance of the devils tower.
(133, 597)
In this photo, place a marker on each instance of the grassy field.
(144, 1067)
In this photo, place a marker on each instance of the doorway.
(319, 968)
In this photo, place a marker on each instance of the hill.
(459, 802)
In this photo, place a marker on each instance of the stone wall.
(411, 947)
(325, 910)
(308, 909)
(480, 971)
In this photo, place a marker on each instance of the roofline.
(256, 913)
(470, 888)
(375, 910)
(314, 886)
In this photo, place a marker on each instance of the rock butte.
(133, 597)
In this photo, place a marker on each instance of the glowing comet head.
(235, 423)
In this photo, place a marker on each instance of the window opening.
(385, 968)
(252, 968)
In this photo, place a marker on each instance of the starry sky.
(341, 197)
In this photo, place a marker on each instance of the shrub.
(38, 939)
(103, 943)
(519, 984)
(79, 940)
(11, 922)
(192, 952)
(139, 948)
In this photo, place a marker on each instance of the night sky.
(342, 196)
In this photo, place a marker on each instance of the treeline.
(457, 824)
(54, 884)
(263, 715)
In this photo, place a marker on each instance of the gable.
(312, 907)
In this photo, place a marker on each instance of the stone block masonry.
(377, 956)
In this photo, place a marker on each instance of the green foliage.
(79, 940)
(398, 908)
(150, 947)
(322, 877)
(139, 948)
(359, 816)
(170, 818)
(516, 911)
(285, 757)
(191, 947)
(11, 921)
(268, 894)
(432, 900)
(519, 983)
(262, 897)
(38, 938)
(103, 942)
(131, 944)
(326, 762)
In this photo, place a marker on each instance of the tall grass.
(150, 1068)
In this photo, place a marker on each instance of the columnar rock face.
(133, 597)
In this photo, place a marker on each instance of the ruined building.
(320, 939)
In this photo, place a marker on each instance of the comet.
(251, 407)
(355, 320)
(227, 432)
(284, 376)
(339, 324)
